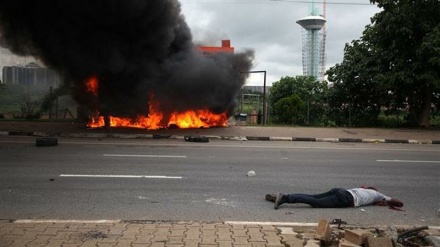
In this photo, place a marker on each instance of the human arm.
(395, 202)
(391, 202)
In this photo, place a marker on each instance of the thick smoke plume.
(135, 48)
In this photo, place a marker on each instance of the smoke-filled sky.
(269, 28)
(135, 48)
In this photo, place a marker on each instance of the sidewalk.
(372, 135)
(191, 234)
(137, 234)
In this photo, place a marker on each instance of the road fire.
(133, 49)
(155, 118)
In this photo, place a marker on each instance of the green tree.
(311, 91)
(398, 58)
(289, 110)
(355, 99)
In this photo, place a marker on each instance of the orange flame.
(92, 86)
(183, 120)
(198, 119)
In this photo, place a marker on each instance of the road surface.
(175, 180)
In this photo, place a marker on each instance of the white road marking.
(118, 176)
(144, 156)
(221, 201)
(410, 161)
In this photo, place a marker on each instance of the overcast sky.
(269, 28)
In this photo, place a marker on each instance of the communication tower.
(314, 36)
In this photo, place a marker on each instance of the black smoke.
(136, 49)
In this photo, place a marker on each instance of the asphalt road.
(177, 180)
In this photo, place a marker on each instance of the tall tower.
(313, 52)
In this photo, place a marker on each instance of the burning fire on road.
(155, 118)
(129, 63)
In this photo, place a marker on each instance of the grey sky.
(270, 28)
(267, 27)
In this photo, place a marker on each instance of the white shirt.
(364, 197)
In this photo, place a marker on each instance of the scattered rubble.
(349, 236)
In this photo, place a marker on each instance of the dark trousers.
(334, 198)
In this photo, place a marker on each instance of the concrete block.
(371, 241)
(356, 236)
(287, 230)
(345, 243)
(323, 231)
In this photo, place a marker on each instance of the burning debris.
(131, 63)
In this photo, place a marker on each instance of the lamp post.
(264, 91)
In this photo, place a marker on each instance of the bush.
(392, 121)
(435, 121)
(289, 110)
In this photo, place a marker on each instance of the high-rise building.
(32, 74)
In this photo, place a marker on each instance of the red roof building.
(226, 47)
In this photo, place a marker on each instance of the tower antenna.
(313, 43)
(324, 37)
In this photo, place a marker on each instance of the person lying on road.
(337, 198)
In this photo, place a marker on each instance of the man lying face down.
(337, 198)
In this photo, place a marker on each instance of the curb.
(122, 221)
(229, 138)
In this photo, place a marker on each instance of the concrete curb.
(122, 221)
(229, 138)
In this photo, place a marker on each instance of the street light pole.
(264, 91)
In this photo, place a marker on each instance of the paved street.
(139, 179)
(56, 196)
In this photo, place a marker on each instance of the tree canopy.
(355, 98)
(309, 92)
(394, 65)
